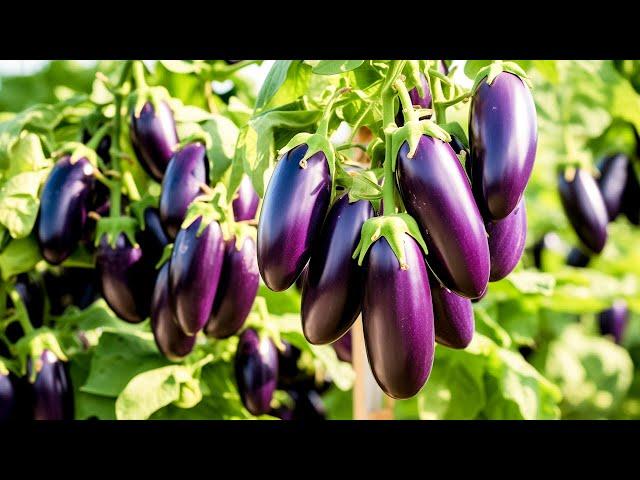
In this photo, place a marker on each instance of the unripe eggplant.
(187, 171)
(613, 321)
(64, 205)
(577, 258)
(50, 397)
(153, 137)
(237, 289)
(507, 238)
(245, 205)
(170, 339)
(417, 100)
(152, 239)
(397, 317)
(585, 208)
(613, 179)
(503, 136)
(256, 371)
(126, 280)
(631, 196)
(294, 206)
(332, 288)
(342, 346)
(436, 192)
(452, 316)
(8, 397)
(196, 263)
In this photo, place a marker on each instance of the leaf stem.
(116, 184)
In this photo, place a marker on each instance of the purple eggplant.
(452, 316)
(288, 371)
(50, 397)
(8, 397)
(187, 171)
(332, 288)
(507, 238)
(196, 263)
(170, 339)
(503, 136)
(300, 280)
(417, 100)
(103, 148)
(153, 137)
(245, 205)
(126, 280)
(256, 371)
(613, 179)
(72, 286)
(585, 208)
(577, 258)
(342, 346)
(153, 238)
(436, 192)
(613, 321)
(631, 196)
(237, 289)
(294, 206)
(397, 317)
(64, 205)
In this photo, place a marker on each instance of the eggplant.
(300, 280)
(631, 197)
(397, 317)
(436, 192)
(73, 286)
(503, 137)
(332, 288)
(50, 397)
(237, 289)
(64, 205)
(104, 146)
(169, 337)
(194, 274)
(452, 316)
(152, 239)
(288, 371)
(8, 397)
(417, 100)
(613, 179)
(187, 171)
(507, 238)
(577, 258)
(585, 208)
(256, 371)
(126, 280)
(245, 204)
(613, 321)
(343, 348)
(153, 138)
(294, 206)
(550, 241)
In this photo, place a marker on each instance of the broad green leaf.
(224, 135)
(26, 155)
(334, 67)
(21, 255)
(19, 202)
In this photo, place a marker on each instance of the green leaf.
(519, 317)
(180, 66)
(26, 155)
(20, 256)
(86, 405)
(19, 202)
(274, 80)
(334, 67)
(224, 135)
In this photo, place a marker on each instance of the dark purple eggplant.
(50, 397)
(103, 147)
(397, 317)
(452, 316)
(170, 339)
(288, 371)
(187, 171)
(332, 288)
(503, 136)
(417, 100)
(613, 321)
(8, 397)
(577, 258)
(237, 289)
(342, 346)
(126, 280)
(507, 238)
(153, 137)
(196, 263)
(631, 196)
(436, 192)
(300, 280)
(308, 405)
(245, 205)
(295, 205)
(72, 286)
(64, 205)
(153, 238)
(585, 208)
(256, 371)
(613, 179)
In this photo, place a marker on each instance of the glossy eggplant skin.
(194, 274)
(397, 317)
(237, 289)
(169, 337)
(585, 208)
(294, 206)
(613, 179)
(631, 196)
(8, 397)
(50, 397)
(152, 239)
(64, 205)
(613, 321)
(245, 205)
(126, 280)
(507, 238)
(436, 192)
(332, 289)
(342, 346)
(503, 137)
(577, 258)
(153, 137)
(187, 171)
(452, 316)
(256, 371)
(417, 100)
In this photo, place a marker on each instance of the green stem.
(21, 311)
(116, 185)
(323, 125)
(130, 186)
(453, 101)
(138, 75)
(98, 136)
(349, 146)
(405, 100)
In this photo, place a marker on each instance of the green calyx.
(77, 151)
(490, 72)
(138, 208)
(263, 323)
(241, 231)
(32, 345)
(411, 133)
(166, 255)
(199, 136)
(112, 227)
(392, 227)
(212, 206)
(142, 95)
(414, 75)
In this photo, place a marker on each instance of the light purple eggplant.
(245, 205)
(614, 320)
(452, 316)
(507, 238)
